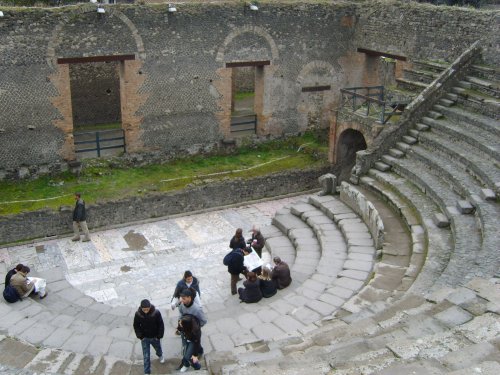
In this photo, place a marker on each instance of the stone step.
(486, 72)
(467, 118)
(417, 210)
(409, 140)
(394, 152)
(432, 66)
(487, 144)
(484, 86)
(414, 133)
(382, 166)
(435, 115)
(473, 159)
(465, 85)
(409, 85)
(467, 237)
(403, 147)
(450, 96)
(419, 75)
(421, 127)
(446, 102)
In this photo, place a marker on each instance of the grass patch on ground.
(89, 128)
(100, 182)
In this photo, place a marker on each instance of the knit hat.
(145, 304)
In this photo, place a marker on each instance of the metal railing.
(244, 123)
(100, 142)
(371, 100)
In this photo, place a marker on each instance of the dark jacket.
(79, 211)
(251, 293)
(194, 335)
(181, 285)
(237, 243)
(268, 288)
(281, 275)
(260, 243)
(9, 275)
(234, 262)
(148, 325)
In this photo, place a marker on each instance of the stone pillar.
(328, 183)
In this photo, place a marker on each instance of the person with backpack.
(234, 262)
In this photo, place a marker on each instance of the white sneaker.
(162, 359)
(184, 369)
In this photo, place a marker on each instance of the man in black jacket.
(149, 328)
(80, 220)
(234, 262)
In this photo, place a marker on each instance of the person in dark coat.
(238, 241)
(190, 330)
(267, 286)
(188, 281)
(149, 328)
(281, 273)
(234, 262)
(80, 220)
(257, 241)
(12, 272)
(251, 293)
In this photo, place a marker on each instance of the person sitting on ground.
(251, 293)
(238, 241)
(267, 286)
(11, 273)
(189, 307)
(257, 241)
(234, 262)
(190, 329)
(281, 273)
(26, 285)
(188, 281)
(251, 261)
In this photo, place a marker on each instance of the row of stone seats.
(420, 75)
(454, 331)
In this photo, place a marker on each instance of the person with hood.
(80, 220)
(190, 329)
(188, 281)
(188, 306)
(149, 328)
(234, 262)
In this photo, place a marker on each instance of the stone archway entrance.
(350, 142)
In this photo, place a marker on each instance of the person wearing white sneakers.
(149, 328)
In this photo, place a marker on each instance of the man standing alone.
(149, 328)
(80, 220)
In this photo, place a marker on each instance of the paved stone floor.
(124, 265)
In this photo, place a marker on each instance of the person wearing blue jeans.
(190, 330)
(149, 328)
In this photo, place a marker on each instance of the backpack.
(10, 294)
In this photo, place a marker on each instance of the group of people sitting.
(246, 258)
(19, 285)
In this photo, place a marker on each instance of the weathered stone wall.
(49, 223)
(95, 93)
(174, 95)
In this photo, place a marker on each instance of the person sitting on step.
(251, 292)
(281, 273)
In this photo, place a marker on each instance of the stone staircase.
(420, 75)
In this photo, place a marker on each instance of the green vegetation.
(89, 128)
(244, 95)
(103, 180)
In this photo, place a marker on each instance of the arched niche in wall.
(75, 36)
(247, 46)
(349, 142)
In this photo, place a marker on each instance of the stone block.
(288, 324)
(453, 316)
(465, 207)
(348, 283)
(266, 331)
(328, 183)
(440, 220)
(470, 356)
(461, 295)
(488, 195)
(382, 167)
